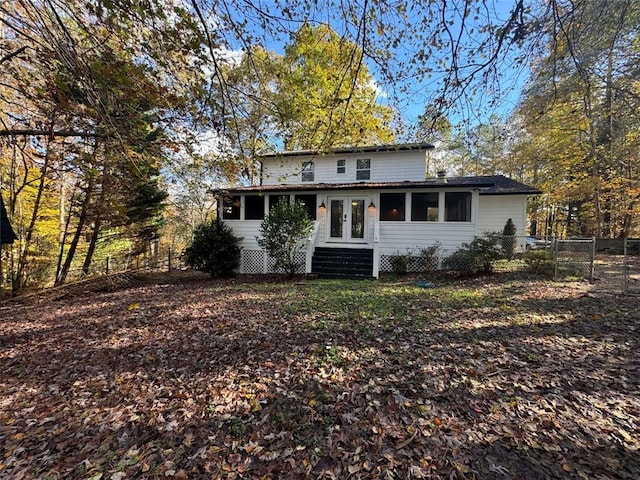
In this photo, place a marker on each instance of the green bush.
(477, 256)
(214, 250)
(539, 261)
(283, 231)
(429, 257)
(400, 262)
(509, 240)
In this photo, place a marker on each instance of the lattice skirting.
(252, 261)
(414, 264)
(257, 261)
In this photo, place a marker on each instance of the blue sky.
(412, 94)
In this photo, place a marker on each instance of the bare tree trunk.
(99, 210)
(92, 244)
(64, 226)
(78, 233)
(19, 279)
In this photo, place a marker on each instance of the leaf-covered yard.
(488, 378)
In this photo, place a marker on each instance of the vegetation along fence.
(614, 266)
(161, 259)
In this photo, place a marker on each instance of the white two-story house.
(369, 204)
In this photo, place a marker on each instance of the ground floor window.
(231, 207)
(274, 199)
(457, 207)
(253, 207)
(424, 207)
(392, 207)
(309, 203)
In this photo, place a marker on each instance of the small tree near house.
(509, 240)
(214, 250)
(283, 231)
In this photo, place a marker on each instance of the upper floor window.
(363, 169)
(307, 172)
(424, 207)
(341, 166)
(457, 206)
(392, 207)
(231, 207)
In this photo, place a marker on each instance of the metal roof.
(344, 150)
(488, 185)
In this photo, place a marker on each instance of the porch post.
(376, 249)
(310, 245)
(475, 206)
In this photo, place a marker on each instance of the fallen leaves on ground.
(491, 378)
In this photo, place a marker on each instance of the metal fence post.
(554, 249)
(169, 260)
(106, 265)
(625, 270)
(593, 259)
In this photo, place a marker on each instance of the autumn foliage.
(194, 378)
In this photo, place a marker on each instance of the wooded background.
(118, 116)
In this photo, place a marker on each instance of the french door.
(347, 219)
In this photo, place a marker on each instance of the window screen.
(253, 207)
(392, 207)
(273, 199)
(309, 202)
(457, 206)
(424, 207)
(231, 207)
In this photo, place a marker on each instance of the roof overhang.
(349, 150)
(491, 185)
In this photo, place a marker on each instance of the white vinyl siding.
(489, 213)
(385, 167)
(400, 236)
(494, 211)
(247, 230)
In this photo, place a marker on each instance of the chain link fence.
(631, 266)
(157, 260)
(574, 257)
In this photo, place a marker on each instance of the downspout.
(376, 236)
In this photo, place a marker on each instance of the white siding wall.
(248, 230)
(492, 214)
(400, 236)
(385, 167)
(494, 211)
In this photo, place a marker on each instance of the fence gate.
(574, 257)
(631, 266)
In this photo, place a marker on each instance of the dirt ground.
(609, 274)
